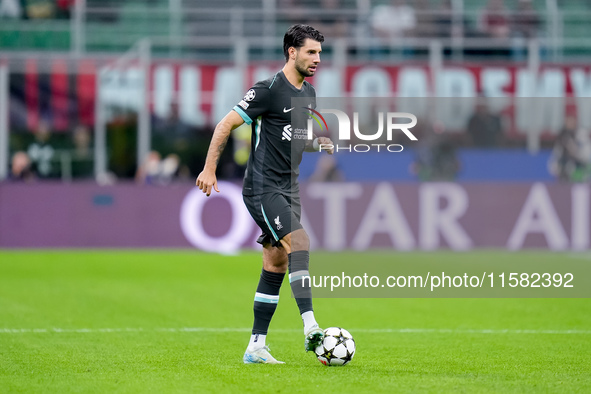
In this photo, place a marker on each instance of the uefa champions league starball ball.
(337, 347)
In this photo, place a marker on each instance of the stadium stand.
(114, 26)
(53, 58)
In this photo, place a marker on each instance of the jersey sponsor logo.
(285, 110)
(299, 134)
(286, 135)
(249, 96)
(278, 223)
(243, 104)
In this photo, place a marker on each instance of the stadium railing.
(113, 27)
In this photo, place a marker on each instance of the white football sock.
(309, 321)
(257, 341)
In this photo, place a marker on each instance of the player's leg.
(279, 218)
(265, 302)
(297, 246)
(267, 294)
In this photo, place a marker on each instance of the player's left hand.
(326, 141)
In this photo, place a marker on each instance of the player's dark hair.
(296, 35)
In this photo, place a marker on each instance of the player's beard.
(300, 67)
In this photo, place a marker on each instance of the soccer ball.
(337, 347)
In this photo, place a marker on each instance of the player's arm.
(207, 179)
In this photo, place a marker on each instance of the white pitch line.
(469, 331)
(580, 255)
(225, 330)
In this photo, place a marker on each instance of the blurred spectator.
(443, 20)
(122, 143)
(448, 22)
(108, 12)
(494, 20)
(172, 124)
(330, 23)
(291, 11)
(526, 25)
(426, 21)
(241, 137)
(82, 141)
(41, 152)
(571, 153)
(526, 22)
(436, 156)
(63, 8)
(10, 9)
(39, 9)
(155, 171)
(82, 159)
(327, 170)
(149, 170)
(484, 128)
(169, 169)
(20, 167)
(393, 21)
(106, 179)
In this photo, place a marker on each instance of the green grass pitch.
(178, 321)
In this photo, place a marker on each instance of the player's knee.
(279, 267)
(274, 259)
(300, 240)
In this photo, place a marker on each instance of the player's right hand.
(206, 181)
(327, 142)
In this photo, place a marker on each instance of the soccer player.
(271, 191)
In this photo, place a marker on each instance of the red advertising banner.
(65, 96)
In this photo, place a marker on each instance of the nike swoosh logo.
(287, 110)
